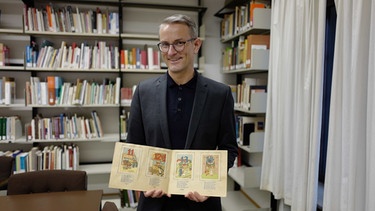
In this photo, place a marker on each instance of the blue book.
(28, 56)
(58, 87)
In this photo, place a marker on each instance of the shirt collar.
(190, 84)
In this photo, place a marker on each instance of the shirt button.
(179, 99)
(179, 109)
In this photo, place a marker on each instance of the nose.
(171, 50)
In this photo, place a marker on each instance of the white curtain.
(292, 139)
(350, 172)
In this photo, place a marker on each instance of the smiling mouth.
(175, 60)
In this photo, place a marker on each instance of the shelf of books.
(245, 39)
(62, 63)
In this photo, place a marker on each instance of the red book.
(144, 64)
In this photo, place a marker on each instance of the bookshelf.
(134, 30)
(245, 43)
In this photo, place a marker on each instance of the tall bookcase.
(245, 30)
(138, 23)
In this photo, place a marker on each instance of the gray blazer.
(212, 123)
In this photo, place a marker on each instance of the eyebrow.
(177, 40)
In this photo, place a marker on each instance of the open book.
(139, 167)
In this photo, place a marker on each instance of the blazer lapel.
(199, 101)
(161, 87)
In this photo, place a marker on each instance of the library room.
(189, 105)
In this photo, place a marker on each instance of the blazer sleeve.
(228, 129)
(135, 123)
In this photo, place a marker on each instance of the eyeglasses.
(178, 45)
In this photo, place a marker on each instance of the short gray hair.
(184, 19)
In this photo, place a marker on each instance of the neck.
(182, 77)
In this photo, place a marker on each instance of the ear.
(197, 45)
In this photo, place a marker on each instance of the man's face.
(183, 60)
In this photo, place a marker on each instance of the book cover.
(254, 40)
(254, 5)
(138, 167)
(51, 83)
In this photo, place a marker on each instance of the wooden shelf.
(238, 201)
(259, 197)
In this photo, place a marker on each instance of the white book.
(33, 132)
(87, 128)
(76, 57)
(8, 127)
(15, 128)
(43, 93)
(83, 22)
(150, 58)
(39, 19)
(9, 92)
(33, 164)
(71, 95)
(93, 128)
(116, 59)
(82, 92)
(87, 57)
(117, 90)
(64, 94)
(57, 60)
(62, 54)
(82, 126)
(30, 18)
(75, 158)
(39, 61)
(55, 24)
(47, 56)
(81, 56)
(79, 23)
(88, 16)
(99, 24)
(107, 59)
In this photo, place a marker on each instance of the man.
(182, 110)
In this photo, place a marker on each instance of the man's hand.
(195, 196)
(155, 193)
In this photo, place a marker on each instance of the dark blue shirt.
(180, 99)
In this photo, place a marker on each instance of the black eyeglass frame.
(181, 43)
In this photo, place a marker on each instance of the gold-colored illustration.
(129, 162)
(157, 164)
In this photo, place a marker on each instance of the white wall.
(211, 48)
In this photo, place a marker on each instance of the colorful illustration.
(157, 163)
(129, 162)
(184, 166)
(210, 167)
